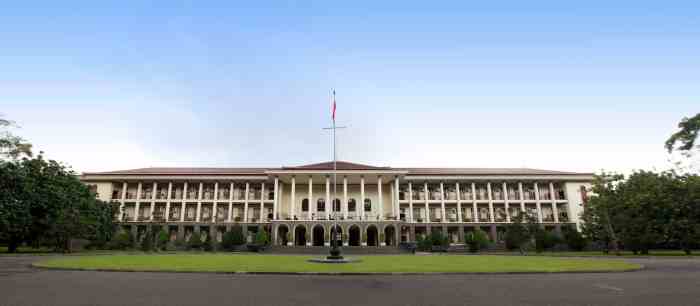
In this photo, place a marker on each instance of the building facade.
(368, 205)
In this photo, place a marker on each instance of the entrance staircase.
(348, 250)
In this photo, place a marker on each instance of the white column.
(263, 216)
(292, 206)
(539, 206)
(138, 202)
(393, 206)
(427, 207)
(522, 197)
(275, 204)
(459, 203)
(488, 191)
(312, 203)
(505, 197)
(329, 201)
(410, 202)
(443, 216)
(397, 208)
(167, 203)
(153, 199)
(555, 209)
(362, 198)
(216, 199)
(121, 205)
(183, 205)
(230, 203)
(199, 202)
(245, 202)
(345, 198)
(379, 196)
(475, 208)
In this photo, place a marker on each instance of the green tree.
(42, 201)
(574, 240)
(518, 234)
(601, 209)
(208, 244)
(12, 146)
(147, 241)
(684, 139)
(195, 242)
(476, 240)
(163, 239)
(684, 223)
(237, 235)
(261, 238)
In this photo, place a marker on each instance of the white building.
(371, 205)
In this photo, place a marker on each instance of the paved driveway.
(672, 281)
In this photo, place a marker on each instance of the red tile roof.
(341, 165)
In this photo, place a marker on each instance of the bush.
(122, 241)
(208, 244)
(545, 240)
(261, 238)
(147, 241)
(574, 240)
(439, 239)
(180, 243)
(476, 240)
(424, 243)
(195, 242)
(237, 237)
(227, 241)
(162, 241)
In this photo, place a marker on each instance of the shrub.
(545, 240)
(237, 237)
(195, 242)
(438, 239)
(574, 240)
(163, 239)
(476, 240)
(147, 241)
(228, 241)
(180, 243)
(261, 238)
(122, 241)
(424, 243)
(208, 244)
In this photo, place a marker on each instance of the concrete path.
(674, 281)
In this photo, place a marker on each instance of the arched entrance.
(317, 235)
(300, 235)
(282, 231)
(390, 235)
(354, 235)
(337, 234)
(372, 239)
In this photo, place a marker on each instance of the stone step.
(350, 250)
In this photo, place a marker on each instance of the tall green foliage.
(43, 202)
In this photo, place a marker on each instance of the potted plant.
(364, 239)
(344, 237)
(327, 238)
(307, 237)
(261, 241)
(289, 239)
(381, 240)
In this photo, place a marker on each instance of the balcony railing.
(497, 195)
(513, 194)
(559, 194)
(451, 195)
(466, 196)
(146, 194)
(563, 216)
(529, 195)
(484, 215)
(130, 195)
(482, 194)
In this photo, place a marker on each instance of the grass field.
(369, 264)
(660, 253)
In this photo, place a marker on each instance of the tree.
(517, 234)
(684, 224)
(208, 244)
(163, 239)
(147, 241)
(684, 139)
(600, 210)
(237, 235)
(12, 146)
(195, 242)
(476, 240)
(574, 240)
(261, 238)
(43, 202)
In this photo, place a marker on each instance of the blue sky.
(538, 84)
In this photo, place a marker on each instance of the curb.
(641, 267)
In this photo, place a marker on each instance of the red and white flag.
(333, 107)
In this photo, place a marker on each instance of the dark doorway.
(318, 235)
(300, 235)
(354, 236)
(372, 238)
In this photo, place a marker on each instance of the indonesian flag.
(333, 107)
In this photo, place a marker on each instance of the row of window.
(321, 205)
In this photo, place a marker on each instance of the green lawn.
(660, 253)
(369, 264)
